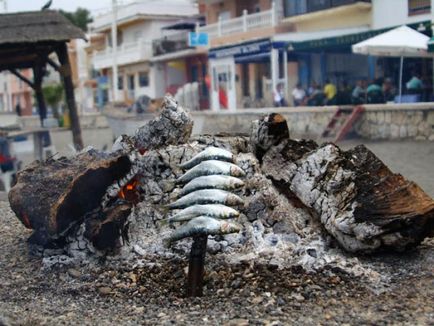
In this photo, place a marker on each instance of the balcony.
(246, 22)
(127, 53)
(170, 43)
(140, 10)
(301, 7)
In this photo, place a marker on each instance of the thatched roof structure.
(37, 26)
(26, 41)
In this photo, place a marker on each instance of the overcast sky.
(68, 5)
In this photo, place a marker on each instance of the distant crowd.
(380, 90)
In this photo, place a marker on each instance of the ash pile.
(304, 204)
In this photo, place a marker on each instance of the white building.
(138, 23)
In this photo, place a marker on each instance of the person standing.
(18, 109)
(279, 96)
(330, 92)
(298, 95)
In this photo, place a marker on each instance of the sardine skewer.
(207, 196)
(212, 210)
(212, 167)
(209, 153)
(223, 182)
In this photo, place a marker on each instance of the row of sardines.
(206, 203)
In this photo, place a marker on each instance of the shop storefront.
(246, 73)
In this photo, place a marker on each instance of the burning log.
(293, 191)
(359, 200)
(173, 126)
(51, 197)
(108, 228)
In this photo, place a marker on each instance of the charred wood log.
(173, 126)
(52, 196)
(267, 132)
(106, 230)
(359, 200)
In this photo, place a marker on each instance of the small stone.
(133, 277)
(257, 300)
(297, 297)
(238, 322)
(74, 273)
(104, 290)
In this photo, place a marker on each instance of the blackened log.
(359, 200)
(106, 230)
(266, 132)
(54, 195)
(173, 126)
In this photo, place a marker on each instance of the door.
(223, 94)
(131, 87)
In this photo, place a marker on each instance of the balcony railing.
(300, 7)
(126, 53)
(245, 23)
(170, 43)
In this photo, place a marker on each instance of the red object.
(223, 98)
(342, 122)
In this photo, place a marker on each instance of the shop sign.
(241, 50)
(198, 39)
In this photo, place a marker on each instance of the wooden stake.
(196, 266)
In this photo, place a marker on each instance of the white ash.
(274, 231)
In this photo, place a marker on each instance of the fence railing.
(126, 53)
(244, 23)
(170, 43)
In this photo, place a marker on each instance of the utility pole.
(5, 6)
(115, 50)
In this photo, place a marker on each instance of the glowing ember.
(129, 192)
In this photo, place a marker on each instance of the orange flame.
(129, 192)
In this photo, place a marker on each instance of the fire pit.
(302, 201)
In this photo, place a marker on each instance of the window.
(143, 79)
(120, 82)
(418, 7)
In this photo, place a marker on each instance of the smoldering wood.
(173, 126)
(52, 196)
(107, 229)
(350, 194)
(267, 132)
(359, 200)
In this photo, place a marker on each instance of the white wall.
(389, 13)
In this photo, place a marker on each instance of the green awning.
(431, 45)
(333, 42)
(346, 41)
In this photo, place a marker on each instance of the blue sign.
(241, 50)
(198, 39)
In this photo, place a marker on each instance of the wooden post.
(38, 73)
(62, 54)
(38, 145)
(196, 266)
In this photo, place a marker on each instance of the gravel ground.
(234, 295)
